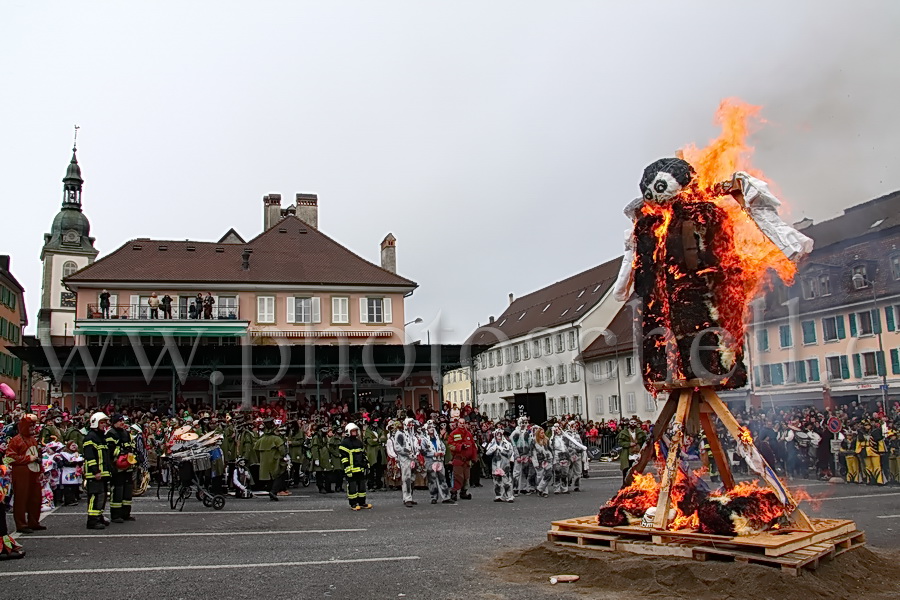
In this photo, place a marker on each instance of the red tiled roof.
(622, 328)
(290, 252)
(565, 301)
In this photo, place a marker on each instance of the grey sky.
(498, 141)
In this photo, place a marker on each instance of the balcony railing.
(144, 312)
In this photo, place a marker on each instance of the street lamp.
(416, 320)
(859, 282)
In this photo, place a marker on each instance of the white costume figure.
(502, 454)
(576, 450)
(521, 439)
(562, 457)
(406, 447)
(241, 479)
(433, 450)
(542, 462)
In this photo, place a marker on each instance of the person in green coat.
(321, 459)
(297, 450)
(630, 439)
(272, 449)
(247, 448)
(374, 439)
(334, 445)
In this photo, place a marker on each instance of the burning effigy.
(706, 238)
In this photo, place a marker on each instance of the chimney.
(4, 262)
(491, 319)
(245, 258)
(308, 209)
(271, 210)
(511, 298)
(389, 253)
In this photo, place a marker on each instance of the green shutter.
(756, 374)
(839, 325)
(809, 332)
(845, 368)
(879, 360)
(876, 321)
(889, 318)
(895, 361)
(853, 325)
(814, 370)
(12, 300)
(784, 335)
(762, 340)
(857, 366)
(777, 374)
(800, 368)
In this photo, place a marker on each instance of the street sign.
(884, 388)
(834, 424)
(835, 446)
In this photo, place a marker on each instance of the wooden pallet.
(791, 551)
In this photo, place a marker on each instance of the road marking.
(214, 512)
(888, 517)
(187, 534)
(305, 563)
(255, 495)
(854, 497)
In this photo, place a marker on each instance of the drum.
(201, 462)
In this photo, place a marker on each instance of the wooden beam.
(661, 520)
(715, 448)
(662, 422)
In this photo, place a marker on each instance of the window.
(560, 373)
(613, 404)
(507, 354)
(631, 403)
(552, 403)
(563, 405)
(649, 403)
(375, 310)
(784, 336)
(809, 332)
(493, 384)
(837, 368)
(517, 353)
(862, 324)
(340, 310)
(574, 375)
(609, 369)
(868, 364)
(559, 342)
(467, 396)
(816, 285)
(68, 268)
(629, 366)
(595, 369)
(536, 346)
(571, 340)
(500, 383)
(491, 357)
(766, 374)
(265, 309)
(895, 266)
(227, 307)
(833, 328)
(811, 368)
(858, 283)
(762, 340)
(518, 381)
(525, 353)
(548, 375)
(300, 310)
(528, 381)
(509, 382)
(547, 348)
(538, 378)
(599, 402)
(576, 405)
(824, 284)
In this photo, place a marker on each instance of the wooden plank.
(715, 447)
(661, 521)
(662, 423)
(656, 549)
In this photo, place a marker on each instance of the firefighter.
(355, 463)
(121, 451)
(97, 466)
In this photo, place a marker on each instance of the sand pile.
(861, 573)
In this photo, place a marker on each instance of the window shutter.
(876, 321)
(800, 369)
(857, 366)
(363, 310)
(291, 305)
(895, 361)
(809, 332)
(814, 370)
(879, 361)
(839, 325)
(316, 310)
(889, 318)
(756, 376)
(777, 374)
(388, 316)
(853, 332)
(134, 310)
(845, 369)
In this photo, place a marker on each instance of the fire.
(746, 437)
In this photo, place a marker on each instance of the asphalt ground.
(312, 546)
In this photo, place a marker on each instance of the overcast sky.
(498, 141)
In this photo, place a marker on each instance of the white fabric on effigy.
(762, 206)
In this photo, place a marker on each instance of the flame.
(745, 436)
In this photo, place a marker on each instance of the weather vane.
(75, 141)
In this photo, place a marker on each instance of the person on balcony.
(193, 313)
(153, 303)
(104, 304)
(166, 304)
(198, 301)
(208, 306)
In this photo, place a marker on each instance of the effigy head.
(665, 178)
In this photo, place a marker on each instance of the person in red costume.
(26, 473)
(461, 443)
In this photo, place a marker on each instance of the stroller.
(189, 466)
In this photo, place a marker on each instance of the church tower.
(67, 248)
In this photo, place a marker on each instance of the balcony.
(125, 319)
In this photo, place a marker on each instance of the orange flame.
(745, 436)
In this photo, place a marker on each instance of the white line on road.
(305, 563)
(854, 497)
(187, 534)
(214, 512)
(888, 517)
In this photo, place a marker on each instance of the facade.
(834, 336)
(457, 387)
(12, 322)
(68, 248)
(533, 363)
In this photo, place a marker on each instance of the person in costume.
(355, 462)
(542, 461)
(502, 454)
(374, 439)
(461, 443)
(406, 446)
(26, 476)
(321, 459)
(241, 479)
(51, 490)
(869, 447)
(576, 451)
(272, 450)
(630, 439)
(433, 449)
(561, 459)
(9, 548)
(98, 467)
(334, 444)
(71, 465)
(522, 440)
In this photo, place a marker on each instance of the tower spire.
(75, 141)
(73, 182)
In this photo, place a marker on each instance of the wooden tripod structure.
(694, 402)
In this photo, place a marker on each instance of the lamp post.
(860, 281)
(619, 386)
(416, 320)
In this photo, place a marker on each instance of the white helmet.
(96, 418)
(350, 427)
